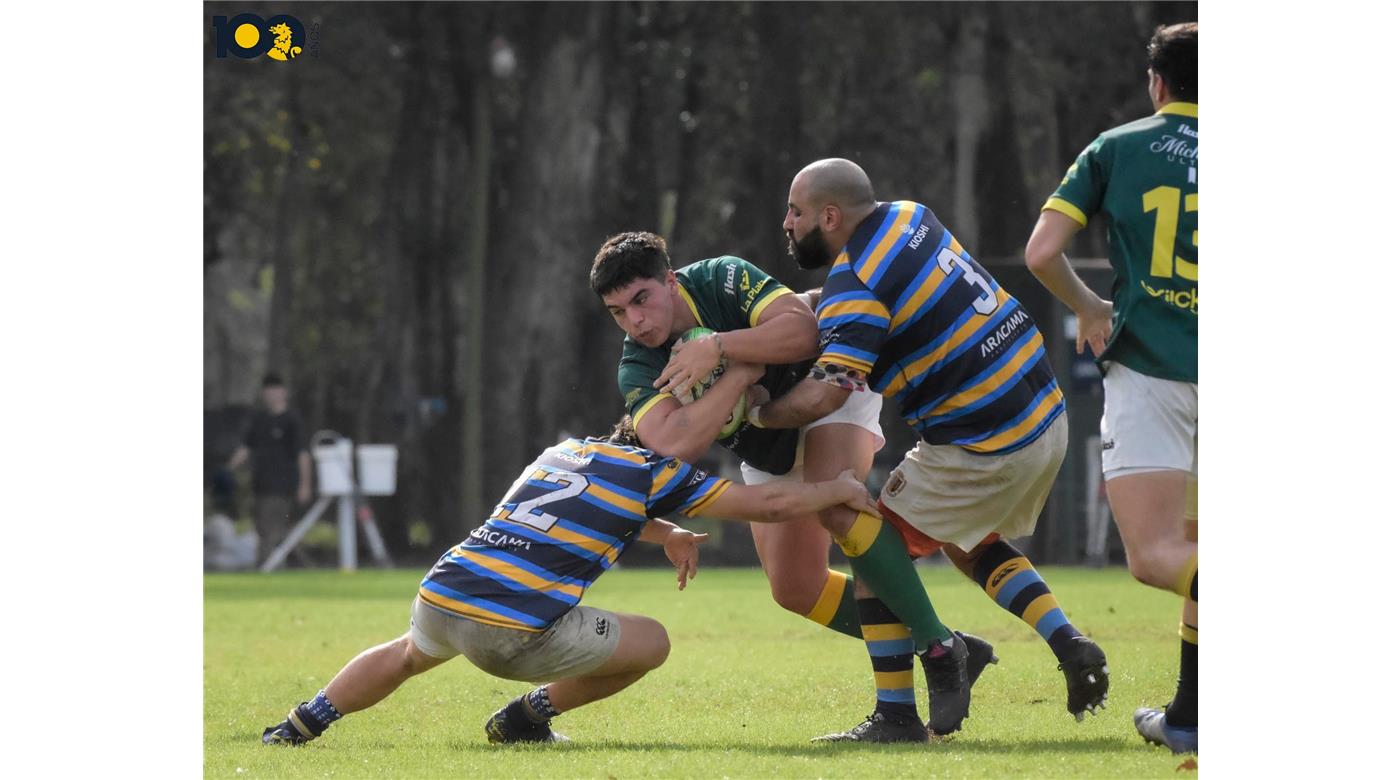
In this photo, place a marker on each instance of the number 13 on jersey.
(1169, 203)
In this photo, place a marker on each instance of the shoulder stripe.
(614, 452)
(891, 214)
(1065, 207)
(872, 266)
(646, 407)
(772, 294)
(666, 478)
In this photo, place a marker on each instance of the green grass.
(746, 686)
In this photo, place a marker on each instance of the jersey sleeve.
(635, 373)
(744, 289)
(680, 487)
(854, 323)
(1081, 191)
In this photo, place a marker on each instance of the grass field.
(746, 686)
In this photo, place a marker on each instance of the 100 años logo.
(248, 36)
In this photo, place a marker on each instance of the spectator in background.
(276, 443)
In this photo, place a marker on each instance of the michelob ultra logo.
(248, 36)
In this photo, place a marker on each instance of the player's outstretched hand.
(1095, 326)
(683, 549)
(690, 362)
(859, 498)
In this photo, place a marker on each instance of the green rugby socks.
(880, 559)
(836, 606)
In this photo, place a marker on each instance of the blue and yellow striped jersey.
(908, 307)
(560, 526)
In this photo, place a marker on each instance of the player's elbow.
(676, 446)
(1038, 258)
(829, 402)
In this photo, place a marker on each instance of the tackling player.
(906, 312)
(759, 320)
(508, 596)
(1142, 176)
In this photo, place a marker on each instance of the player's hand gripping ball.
(736, 418)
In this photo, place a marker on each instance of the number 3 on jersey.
(983, 305)
(1167, 202)
(528, 512)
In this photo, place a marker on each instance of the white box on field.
(333, 475)
(378, 468)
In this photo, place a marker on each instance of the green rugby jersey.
(1142, 175)
(723, 293)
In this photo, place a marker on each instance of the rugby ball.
(736, 418)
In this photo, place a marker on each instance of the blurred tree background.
(400, 221)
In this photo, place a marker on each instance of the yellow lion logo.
(282, 48)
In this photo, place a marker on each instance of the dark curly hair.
(625, 433)
(626, 257)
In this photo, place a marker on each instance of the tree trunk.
(970, 110)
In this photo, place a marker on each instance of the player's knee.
(1146, 567)
(659, 645)
(837, 520)
(794, 596)
(408, 658)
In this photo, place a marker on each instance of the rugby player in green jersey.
(1142, 177)
(907, 313)
(759, 320)
(508, 596)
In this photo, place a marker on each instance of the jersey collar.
(1184, 109)
(685, 296)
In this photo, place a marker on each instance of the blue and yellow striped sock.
(836, 606)
(1010, 579)
(891, 649)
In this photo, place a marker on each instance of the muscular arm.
(774, 502)
(1045, 257)
(786, 333)
(686, 432)
(810, 400)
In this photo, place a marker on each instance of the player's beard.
(809, 251)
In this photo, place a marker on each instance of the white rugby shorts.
(862, 408)
(1149, 424)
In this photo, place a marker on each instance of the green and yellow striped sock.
(880, 559)
(836, 607)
